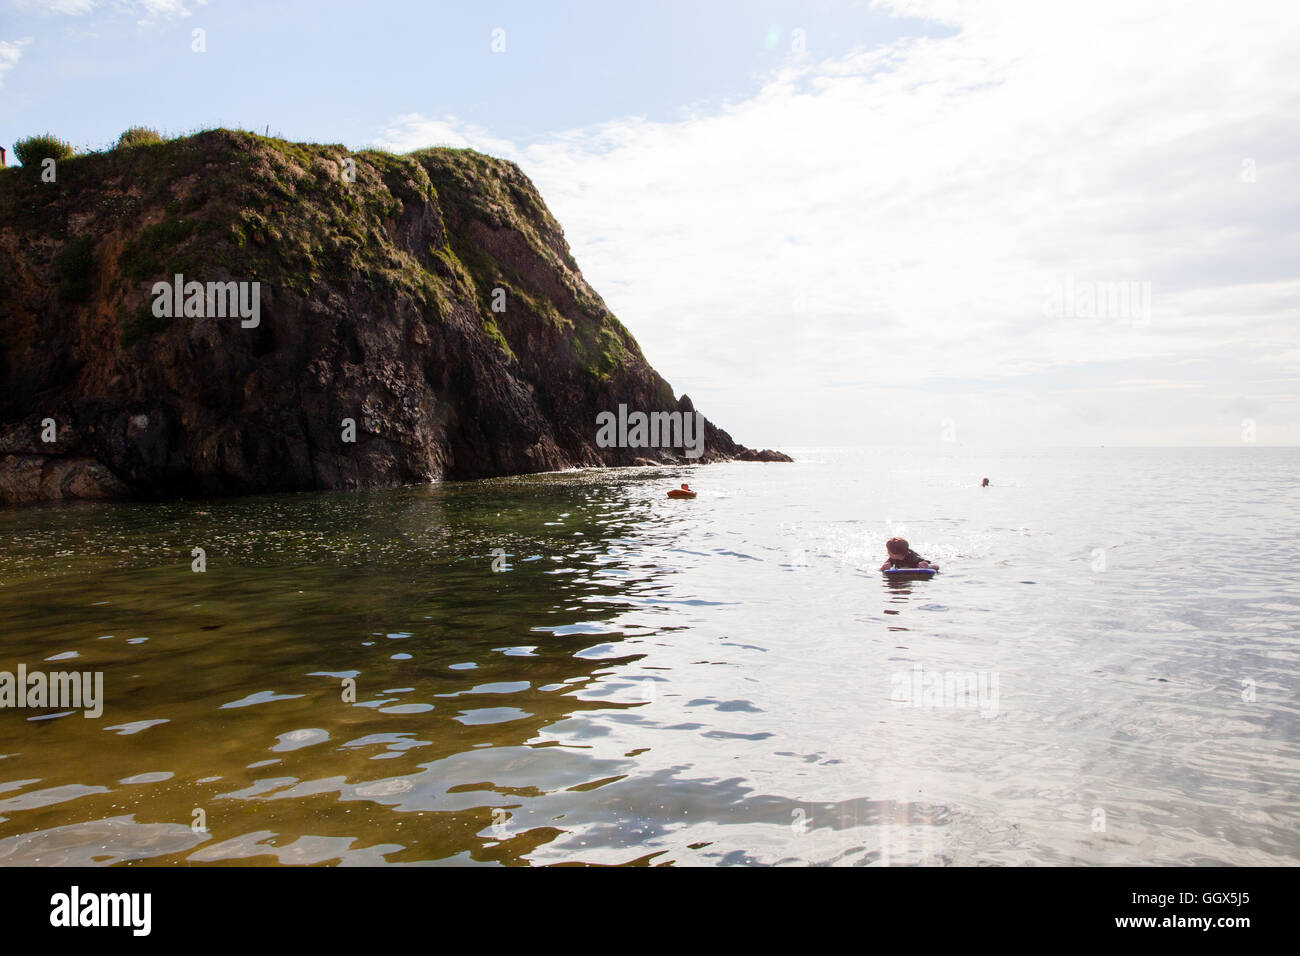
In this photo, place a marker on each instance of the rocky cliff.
(418, 317)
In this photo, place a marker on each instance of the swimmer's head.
(897, 547)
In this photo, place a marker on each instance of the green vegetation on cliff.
(138, 136)
(225, 204)
(430, 299)
(34, 150)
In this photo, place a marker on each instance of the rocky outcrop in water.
(416, 317)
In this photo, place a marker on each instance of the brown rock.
(375, 307)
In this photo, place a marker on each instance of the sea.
(574, 668)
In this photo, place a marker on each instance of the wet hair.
(897, 546)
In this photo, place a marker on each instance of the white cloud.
(11, 51)
(890, 222)
(74, 8)
(151, 10)
(413, 131)
(146, 10)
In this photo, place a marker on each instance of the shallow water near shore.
(728, 680)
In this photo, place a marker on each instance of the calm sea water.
(1104, 672)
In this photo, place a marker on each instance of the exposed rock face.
(767, 454)
(378, 276)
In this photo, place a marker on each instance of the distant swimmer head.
(985, 484)
(685, 486)
(897, 547)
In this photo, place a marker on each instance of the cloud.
(74, 8)
(414, 131)
(901, 216)
(11, 51)
(151, 10)
(147, 10)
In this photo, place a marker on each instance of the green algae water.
(571, 668)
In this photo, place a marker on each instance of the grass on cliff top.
(139, 136)
(286, 213)
(233, 204)
(488, 188)
(34, 150)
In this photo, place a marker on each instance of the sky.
(1012, 223)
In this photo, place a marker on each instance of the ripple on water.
(304, 851)
(135, 726)
(261, 697)
(407, 709)
(491, 715)
(499, 687)
(396, 742)
(297, 739)
(155, 776)
(384, 788)
(48, 796)
(377, 703)
(98, 843)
